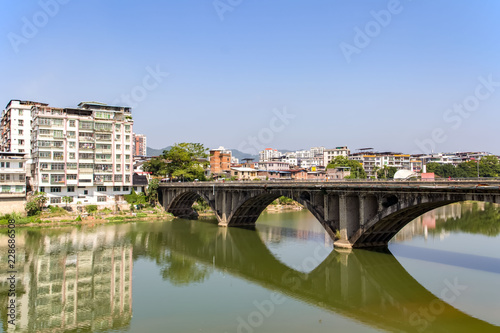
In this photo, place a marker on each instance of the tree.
(67, 200)
(153, 191)
(386, 172)
(182, 161)
(357, 170)
(91, 208)
(40, 198)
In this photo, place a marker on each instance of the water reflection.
(71, 279)
(370, 287)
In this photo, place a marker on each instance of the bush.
(78, 218)
(32, 208)
(90, 208)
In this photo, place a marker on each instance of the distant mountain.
(241, 155)
(155, 152)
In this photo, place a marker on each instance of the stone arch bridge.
(363, 214)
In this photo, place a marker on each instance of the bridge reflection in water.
(369, 287)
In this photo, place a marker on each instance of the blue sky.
(233, 65)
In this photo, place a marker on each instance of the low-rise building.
(244, 173)
(220, 161)
(330, 154)
(13, 182)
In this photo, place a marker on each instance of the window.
(57, 179)
(21, 150)
(20, 132)
(44, 154)
(116, 188)
(127, 128)
(103, 127)
(117, 128)
(118, 137)
(118, 167)
(118, 157)
(86, 155)
(71, 144)
(135, 188)
(125, 188)
(103, 115)
(118, 178)
(71, 188)
(71, 166)
(45, 178)
(71, 134)
(58, 156)
(71, 123)
(71, 177)
(42, 189)
(58, 133)
(127, 157)
(19, 188)
(57, 166)
(21, 141)
(57, 122)
(127, 147)
(21, 122)
(44, 166)
(85, 192)
(101, 198)
(101, 188)
(71, 156)
(86, 125)
(54, 200)
(58, 144)
(44, 121)
(127, 178)
(127, 137)
(7, 164)
(127, 167)
(118, 146)
(55, 189)
(21, 165)
(20, 112)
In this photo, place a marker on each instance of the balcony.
(11, 181)
(57, 182)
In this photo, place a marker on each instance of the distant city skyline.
(406, 76)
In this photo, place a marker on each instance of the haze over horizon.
(407, 76)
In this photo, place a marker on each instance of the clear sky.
(393, 75)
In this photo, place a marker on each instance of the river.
(439, 274)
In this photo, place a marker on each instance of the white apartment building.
(269, 154)
(12, 182)
(16, 126)
(330, 154)
(85, 152)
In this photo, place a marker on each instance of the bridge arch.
(247, 211)
(383, 226)
(181, 204)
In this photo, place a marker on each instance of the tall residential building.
(140, 148)
(330, 154)
(269, 154)
(220, 161)
(16, 119)
(85, 152)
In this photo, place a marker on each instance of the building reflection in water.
(72, 280)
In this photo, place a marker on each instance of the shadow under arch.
(367, 286)
(182, 205)
(248, 212)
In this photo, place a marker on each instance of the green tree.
(489, 166)
(153, 191)
(357, 170)
(67, 200)
(40, 198)
(387, 172)
(182, 161)
(91, 208)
